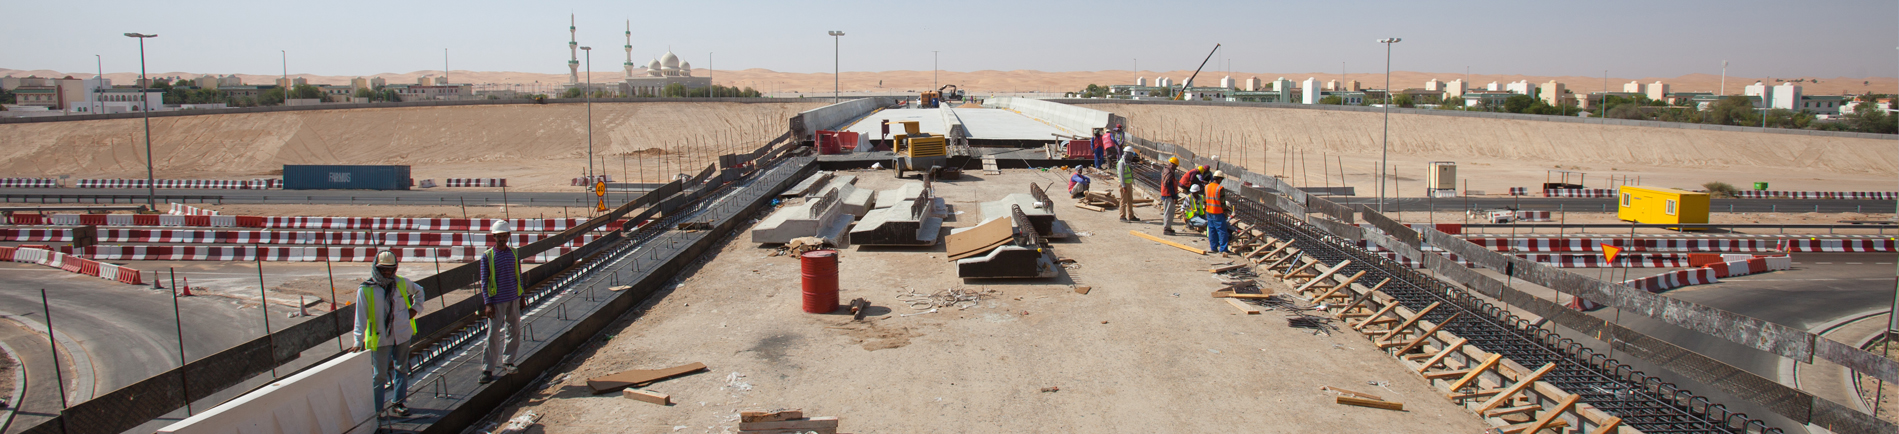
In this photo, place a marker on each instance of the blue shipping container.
(324, 177)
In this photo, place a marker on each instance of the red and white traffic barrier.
(73, 264)
(295, 254)
(1537, 245)
(1519, 191)
(1674, 279)
(344, 238)
(476, 182)
(1868, 195)
(179, 209)
(28, 183)
(1533, 216)
(208, 184)
(588, 182)
(1837, 246)
(1579, 192)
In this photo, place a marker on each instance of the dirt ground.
(1804, 218)
(1146, 350)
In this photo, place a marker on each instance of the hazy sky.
(1829, 38)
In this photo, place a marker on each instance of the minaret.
(629, 48)
(573, 51)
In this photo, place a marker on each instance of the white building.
(1226, 82)
(1657, 91)
(1456, 89)
(1252, 84)
(1633, 87)
(1142, 82)
(1311, 91)
(662, 72)
(1784, 96)
(1434, 85)
(1493, 87)
(1521, 87)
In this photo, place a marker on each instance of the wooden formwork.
(1503, 392)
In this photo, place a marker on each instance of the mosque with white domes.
(661, 72)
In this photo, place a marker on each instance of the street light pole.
(933, 69)
(1384, 153)
(836, 51)
(286, 60)
(145, 85)
(586, 94)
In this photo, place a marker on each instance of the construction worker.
(1078, 183)
(1218, 232)
(386, 308)
(502, 299)
(1170, 194)
(1107, 149)
(1127, 185)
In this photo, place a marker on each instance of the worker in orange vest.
(1218, 230)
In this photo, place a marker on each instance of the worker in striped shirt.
(503, 297)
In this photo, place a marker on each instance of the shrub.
(1720, 189)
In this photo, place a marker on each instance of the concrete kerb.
(84, 376)
(1789, 370)
(19, 388)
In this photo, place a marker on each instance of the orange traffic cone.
(187, 287)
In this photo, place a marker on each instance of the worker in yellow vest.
(386, 307)
(503, 297)
(1219, 228)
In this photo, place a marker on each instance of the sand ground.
(1144, 351)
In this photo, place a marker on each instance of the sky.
(1831, 38)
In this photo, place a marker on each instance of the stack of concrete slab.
(1002, 247)
(822, 217)
(913, 221)
(809, 186)
(856, 201)
(1035, 205)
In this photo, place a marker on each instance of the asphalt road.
(487, 196)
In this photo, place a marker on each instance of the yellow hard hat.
(1173, 160)
(1203, 168)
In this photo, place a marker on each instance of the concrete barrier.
(331, 398)
(1079, 120)
(807, 124)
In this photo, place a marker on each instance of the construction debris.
(1372, 403)
(859, 307)
(1170, 243)
(1083, 290)
(770, 416)
(1051, 389)
(1350, 393)
(652, 397)
(797, 246)
(1243, 307)
(820, 425)
(957, 298)
(639, 377)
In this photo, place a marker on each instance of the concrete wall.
(332, 398)
(347, 106)
(1080, 120)
(831, 117)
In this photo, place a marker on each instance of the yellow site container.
(1656, 205)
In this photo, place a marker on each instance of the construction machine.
(918, 151)
(1182, 94)
(934, 98)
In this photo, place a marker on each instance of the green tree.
(1869, 118)
(1093, 91)
(6, 97)
(1733, 110)
(674, 90)
(390, 95)
(1403, 100)
(1332, 100)
(572, 92)
(363, 92)
(273, 96)
(1519, 103)
(305, 91)
(1626, 111)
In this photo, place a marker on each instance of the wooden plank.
(1522, 383)
(652, 397)
(1089, 207)
(1367, 295)
(1608, 426)
(1519, 428)
(770, 416)
(1448, 349)
(1375, 315)
(1426, 336)
(1485, 392)
(1347, 283)
(1230, 294)
(1282, 261)
(1376, 322)
(1296, 270)
(827, 422)
(1226, 268)
(1446, 374)
(1373, 403)
(1351, 393)
(1513, 410)
(1553, 414)
(981, 251)
(639, 377)
(1477, 372)
(978, 238)
(1170, 243)
(1409, 322)
(1243, 306)
(1323, 276)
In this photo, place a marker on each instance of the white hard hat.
(501, 227)
(1128, 149)
(1219, 174)
(386, 259)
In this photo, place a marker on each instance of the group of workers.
(387, 306)
(1195, 193)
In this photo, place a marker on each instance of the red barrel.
(820, 281)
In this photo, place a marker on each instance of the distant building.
(299, 81)
(1494, 87)
(1482, 98)
(1456, 89)
(1521, 87)
(1554, 93)
(1657, 91)
(1434, 85)
(1142, 81)
(1252, 84)
(335, 93)
(1226, 82)
(1310, 91)
(666, 71)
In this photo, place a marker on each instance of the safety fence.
(339, 238)
(1519, 191)
(589, 181)
(475, 182)
(206, 184)
(1865, 195)
(295, 254)
(29, 183)
(71, 263)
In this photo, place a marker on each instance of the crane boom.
(1196, 73)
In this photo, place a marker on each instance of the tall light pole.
(836, 50)
(586, 93)
(1384, 153)
(286, 60)
(151, 178)
(933, 69)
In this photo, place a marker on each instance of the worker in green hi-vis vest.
(503, 297)
(386, 307)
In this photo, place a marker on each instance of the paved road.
(40, 400)
(577, 197)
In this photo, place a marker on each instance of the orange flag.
(1611, 252)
